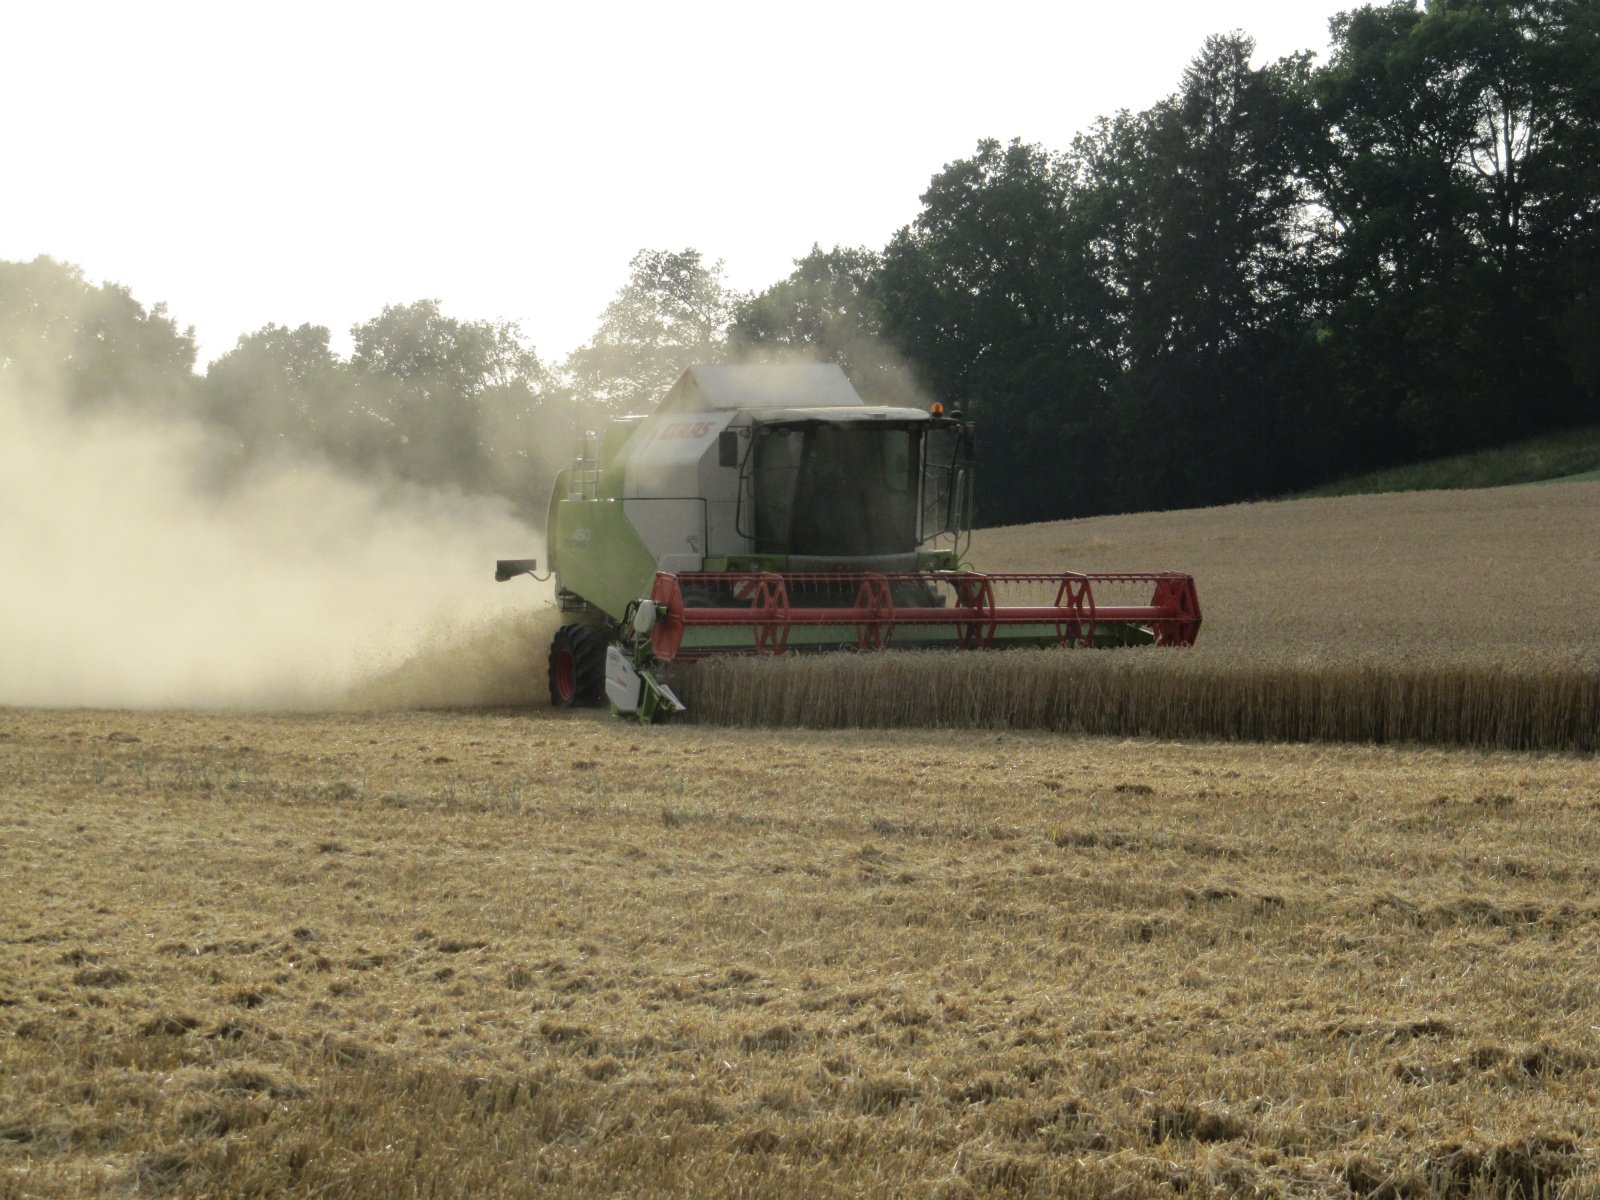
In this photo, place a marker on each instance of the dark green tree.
(1457, 179)
(992, 295)
(1201, 212)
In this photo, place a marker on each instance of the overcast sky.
(311, 162)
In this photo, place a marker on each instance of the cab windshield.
(836, 490)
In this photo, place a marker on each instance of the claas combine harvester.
(767, 510)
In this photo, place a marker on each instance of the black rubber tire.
(577, 667)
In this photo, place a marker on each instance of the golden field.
(512, 954)
(509, 952)
(1505, 575)
(1461, 618)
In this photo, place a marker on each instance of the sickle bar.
(958, 609)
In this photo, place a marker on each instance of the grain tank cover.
(760, 386)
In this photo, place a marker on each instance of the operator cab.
(855, 487)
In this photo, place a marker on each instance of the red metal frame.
(1076, 595)
(763, 602)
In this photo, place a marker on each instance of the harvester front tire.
(577, 667)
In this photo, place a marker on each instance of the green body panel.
(552, 536)
(593, 545)
(747, 563)
(601, 557)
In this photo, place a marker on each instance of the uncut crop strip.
(1143, 694)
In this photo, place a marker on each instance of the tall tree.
(991, 293)
(828, 309)
(281, 387)
(1206, 206)
(432, 380)
(1458, 182)
(673, 312)
(88, 344)
(978, 271)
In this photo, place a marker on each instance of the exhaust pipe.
(510, 568)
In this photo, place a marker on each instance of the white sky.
(311, 162)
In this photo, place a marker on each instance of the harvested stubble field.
(1462, 618)
(368, 955)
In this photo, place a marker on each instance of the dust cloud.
(879, 373)
(127, 581)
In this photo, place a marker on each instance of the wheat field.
(1458, 618)
(520, 954)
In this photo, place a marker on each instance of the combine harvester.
(766, 509)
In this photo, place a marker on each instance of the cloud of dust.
(879, 373)
(125, 583)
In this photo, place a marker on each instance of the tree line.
(1279, 275)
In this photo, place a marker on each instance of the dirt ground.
(513, 953)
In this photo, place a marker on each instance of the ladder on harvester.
(583, 478)
(583, 483)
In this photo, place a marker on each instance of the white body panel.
(666, 451)
(624, 688)
(674, 530)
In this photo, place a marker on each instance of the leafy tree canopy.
(89, 344)
(673, 312)
(829, 309)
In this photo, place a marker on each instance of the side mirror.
(961, 501)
